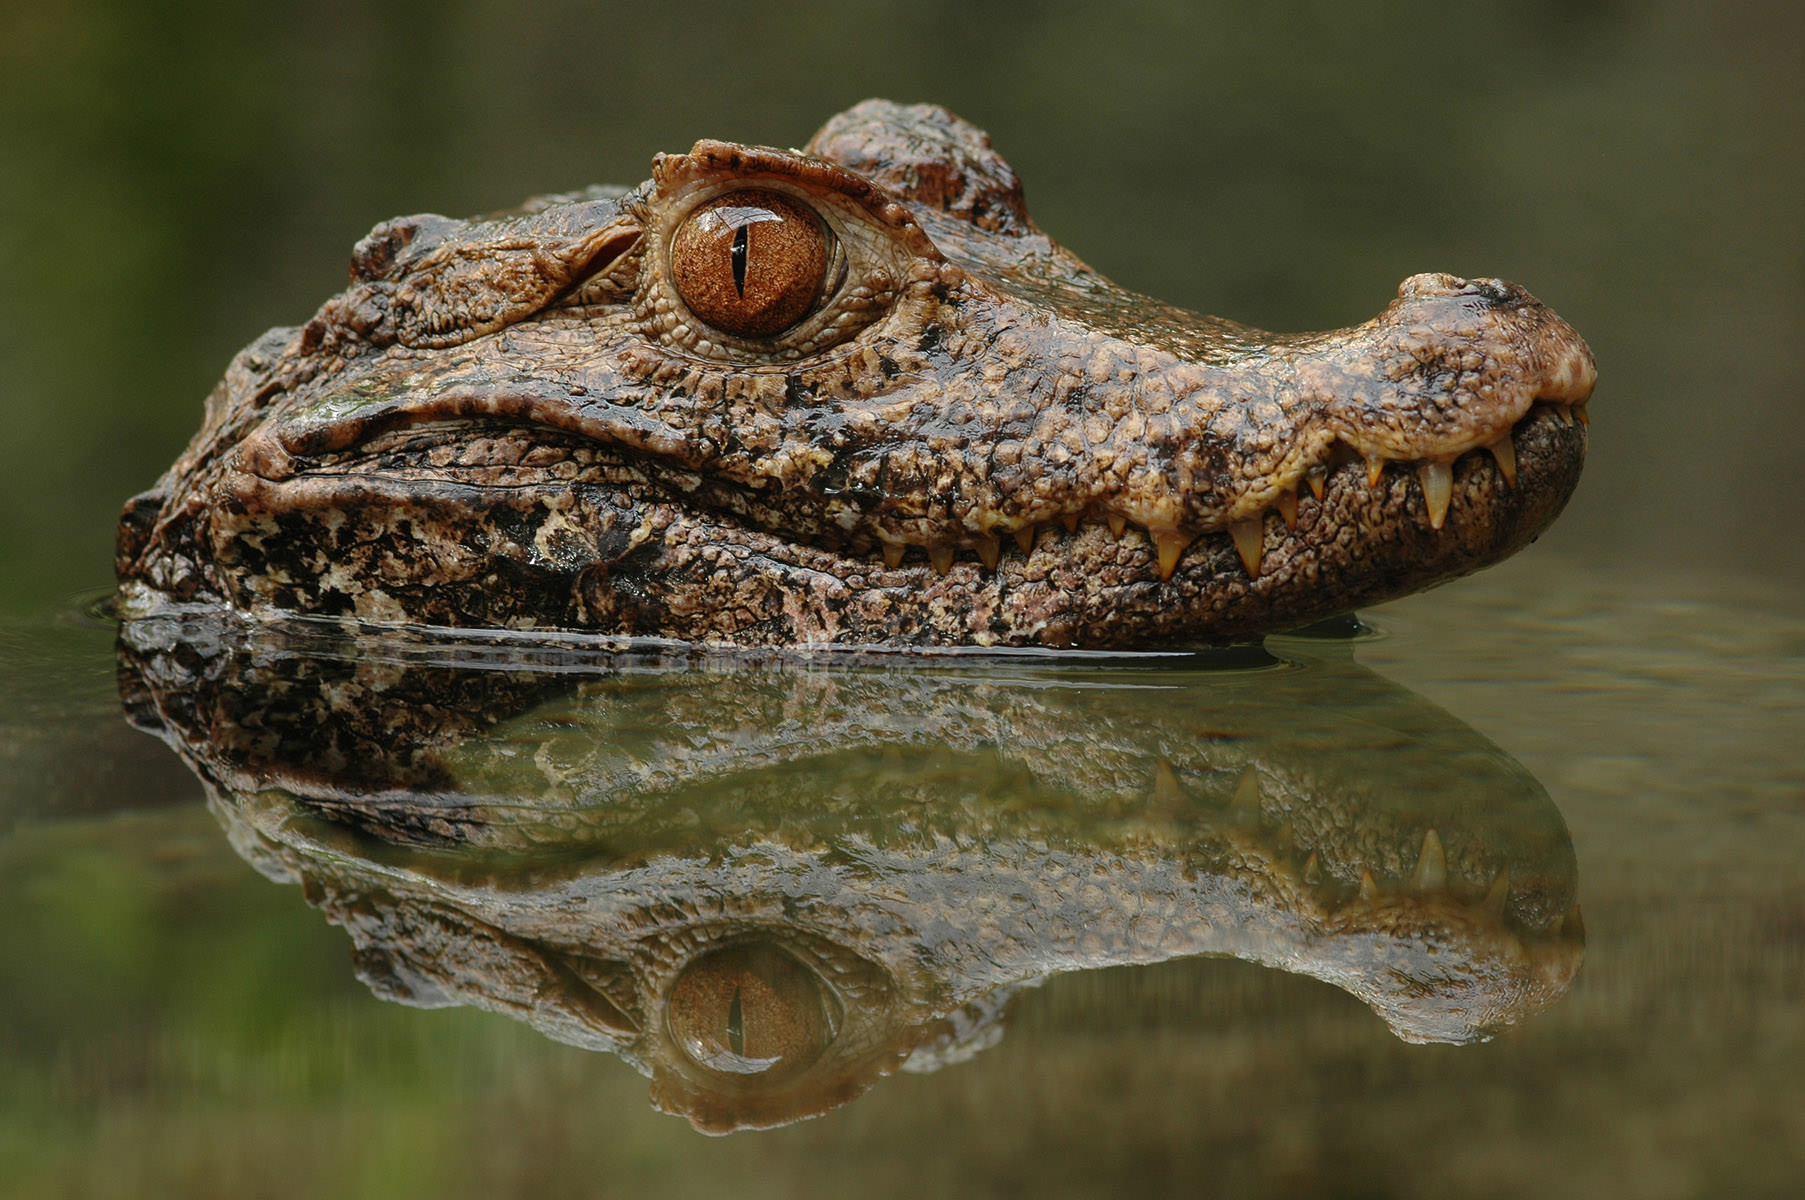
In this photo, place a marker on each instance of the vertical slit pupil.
(739, 261)
(736, 1021)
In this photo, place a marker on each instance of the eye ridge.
(752, 263)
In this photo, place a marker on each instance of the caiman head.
(849, 394)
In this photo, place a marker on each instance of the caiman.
(846, 395)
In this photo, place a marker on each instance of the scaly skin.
(973, 439)
(875, 860)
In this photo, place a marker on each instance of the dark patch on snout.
(796, 392)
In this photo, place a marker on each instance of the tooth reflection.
(767, 885)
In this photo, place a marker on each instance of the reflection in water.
(769, 882)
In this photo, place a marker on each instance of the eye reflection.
(750, 1009)
(751, 263)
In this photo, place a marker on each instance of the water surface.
(1019, 860)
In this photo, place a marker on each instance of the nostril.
(1495, 290)
(1434, 284)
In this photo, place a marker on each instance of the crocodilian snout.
(1567, 371)
(1450, 367)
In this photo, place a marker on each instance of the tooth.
(1244, 807)
(1579, 410)
(1375, 468)
(1170, 545)
(1167, 791)
(1024, 538)
(1116, 525)
(941, 557)
(1506, 454)
(893, 554)
(1248, 535)
(1566, 414)
(988, 551)
(1317, 476)
(1438, 489)
(1288, 508)
(1071, 522)
(1571, 926)
(1498, 894)
(1431, 874)
(1369, 890)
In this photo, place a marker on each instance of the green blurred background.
(176, 177)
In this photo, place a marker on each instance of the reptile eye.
(751, 263)
(750, 1010)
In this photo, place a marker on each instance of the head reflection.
(768, 884)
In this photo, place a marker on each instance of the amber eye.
(751, 263)
(749, 1010)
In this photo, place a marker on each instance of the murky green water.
(1005, 924)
